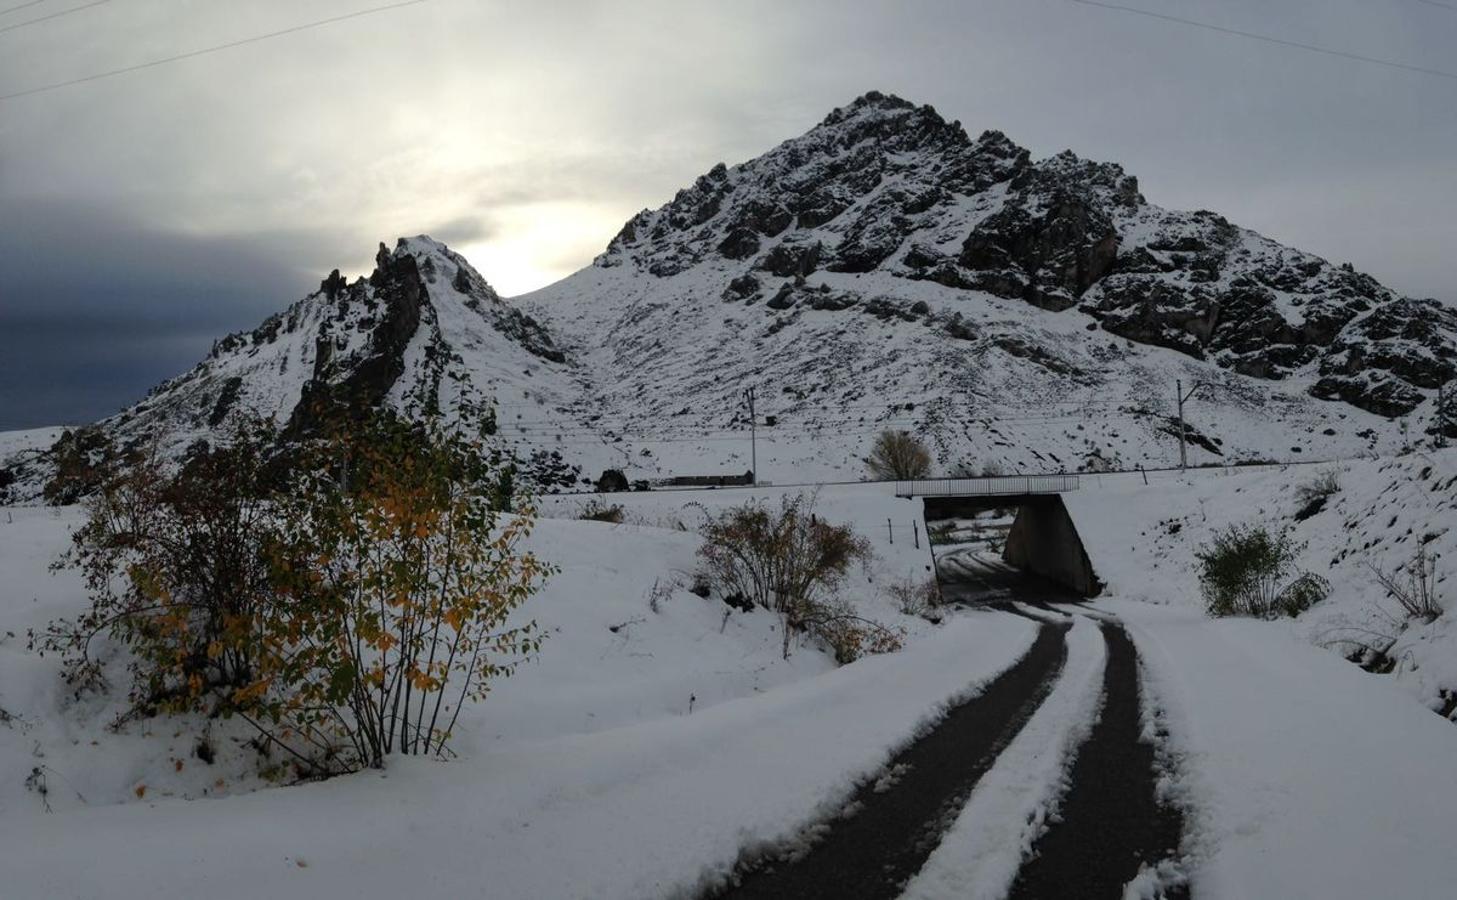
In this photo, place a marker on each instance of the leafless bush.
(1313, 494)
(596, 511)
(1326, 484)
(848, 635)
(658, 594)
(790, 562)
(898, 454)
(1413, 586)
(917, 598)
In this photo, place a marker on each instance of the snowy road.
(883, 836)
(1072, 811)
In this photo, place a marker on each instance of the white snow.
(585, 775)
(1307, 777)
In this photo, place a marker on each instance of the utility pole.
(753, 438)
(1182, 397)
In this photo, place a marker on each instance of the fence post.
(916, 533)
(890, 530)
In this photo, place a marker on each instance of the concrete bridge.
(1043, 541)
(990, 486)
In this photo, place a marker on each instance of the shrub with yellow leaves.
(395, 574)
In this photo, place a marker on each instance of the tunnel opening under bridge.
(1009, 546)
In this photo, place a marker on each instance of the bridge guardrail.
(996, 486)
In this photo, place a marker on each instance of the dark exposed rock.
(788, 259)
(1152, 311)
(783, 298)
(1029, 351)
(226, 398)
(832, 300)
(333, 285)
(740, 243)
(1379, 394)
(959, 328)
(397, 283)
(1059, 253)
(741, 287)
(612, 481)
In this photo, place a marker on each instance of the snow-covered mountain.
(883, 269)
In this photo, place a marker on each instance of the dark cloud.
(96, 309)
(142, 215)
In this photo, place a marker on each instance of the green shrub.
(393, 579)
(174, 564)
(1244, 572)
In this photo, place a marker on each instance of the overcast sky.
(145, 214)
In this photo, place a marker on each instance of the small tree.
(347, 610)
(898, 455)
(1244, 572)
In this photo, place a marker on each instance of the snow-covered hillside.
(647, 751)
(1142, 540)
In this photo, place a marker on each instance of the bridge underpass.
(1004, 538)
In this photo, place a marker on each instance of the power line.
(1447, 6)
(54, 15)
(213, 49)
(21, 6)
(1299, 45)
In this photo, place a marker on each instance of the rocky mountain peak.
(883, 185)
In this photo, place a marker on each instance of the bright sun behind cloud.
(534, 245)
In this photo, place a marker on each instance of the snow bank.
(1306, 776)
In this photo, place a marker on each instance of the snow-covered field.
(646, 750)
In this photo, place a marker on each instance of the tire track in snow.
(1111, 829)
(893, 824)
(980, 855)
